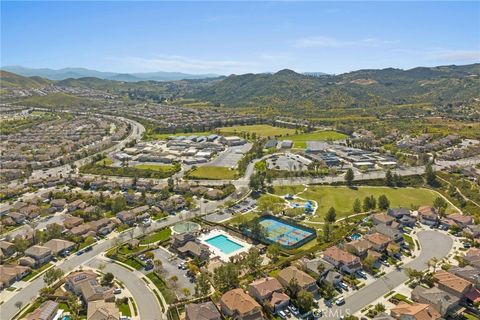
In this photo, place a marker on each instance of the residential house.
(40, 254)
(407, 221)
(358, 247)
(473, 230)
(452, 284)
(468, 272)
(46, 311)
(305, 281)
(269, 291)
(443, 302)
(415, 311)
(85, 284)
(398, 213)
(388, 231)
(11, 273)
(101, 310)
(7, 248)
(239, 305)
(18, 217)
(312, 266)
(58, 204)
(127, 217)
(202, 311)
(72, 221)
(214, 194)
(179, 240)
(383, 316)
(331, 277)
(59, 246)
(472, 256)
(379, 241)
(428, 215)
(461, 220)
(341, 259)
(76, 205)
(382, 218)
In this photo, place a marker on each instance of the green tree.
(389, 178)
(383, 202)
(52, 275)
(349, 176)
(273, 252)
(293, 288)
(367, 204)
(327, 230)
(226, 277)
(20, 244)
(357, 206)
(253, 261)
(118, 204)
(430, 175)
(107, 279)
(379, 307)
(331, 215)
(440, 204)
(202, 285)
(304, 300)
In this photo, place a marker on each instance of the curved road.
(432, 244)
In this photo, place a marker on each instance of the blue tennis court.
(284, 233)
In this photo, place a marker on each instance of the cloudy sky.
(239, 37)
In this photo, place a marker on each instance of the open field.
(105, 162)
(213, 173)
(160, 235)
(262, 130)
(155, 167)
(342, 198)
(300, 140)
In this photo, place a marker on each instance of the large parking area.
(288, 162)
(230, 157)
(241, 207)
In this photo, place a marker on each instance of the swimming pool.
(285, 233)
(355, 236)
(224, 244)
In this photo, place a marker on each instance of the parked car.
(117, 291)
(362, 274)
(317, 314)
(340, 301)
(282, 314)
(79, 253)
(148, 267)
(343, 285)
(293, 309)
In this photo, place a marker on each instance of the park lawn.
(36, 272)
(300, 140)
(155, 167)
(160, 235)
(342, 198)
(213, 173)
(105, 162)
(261, 130)
(242, 218)
(165, 136)
(284, 190)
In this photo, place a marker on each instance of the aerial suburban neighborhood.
(352, 194)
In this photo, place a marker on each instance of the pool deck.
(216, 252)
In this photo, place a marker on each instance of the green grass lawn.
(160, 235)
(155, 167)
(161, 284)
(242, 218)
(261, 130)
(36, 272)
(342, 198)
(283, 190)
(125, 310)
(213, 173)
(300, 140)
(133, 263)
(409, 241)
(105, 162)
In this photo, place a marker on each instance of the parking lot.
(288, 162)
(240, 208)
(230, 157)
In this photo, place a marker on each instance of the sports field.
(342, 198)
(300, 140)
(213, 173)
(262, 130)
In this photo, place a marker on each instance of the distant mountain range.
(76, 73)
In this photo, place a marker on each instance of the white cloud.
(329, 42)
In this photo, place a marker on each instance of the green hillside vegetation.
(12, 80)
(59, 100)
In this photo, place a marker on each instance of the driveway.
(432, 244)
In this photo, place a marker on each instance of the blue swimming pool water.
(224, 244)
(284, 233)
(355, 236)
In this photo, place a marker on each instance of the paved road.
(147, 304)
(27, 294)
(432, 244)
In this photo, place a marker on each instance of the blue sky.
(239, 37)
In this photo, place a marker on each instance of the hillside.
(12, 80)
(362, 88)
